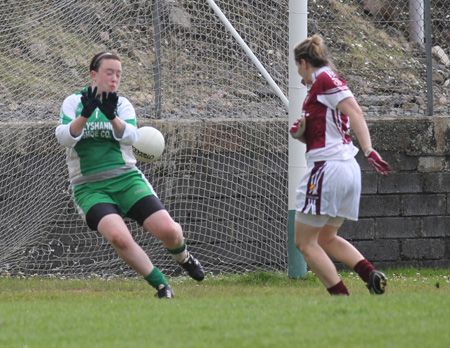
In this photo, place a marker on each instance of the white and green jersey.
(97, 153)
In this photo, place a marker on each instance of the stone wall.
(404, 217)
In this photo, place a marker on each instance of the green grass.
(253, 310)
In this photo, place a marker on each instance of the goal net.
(223, 175)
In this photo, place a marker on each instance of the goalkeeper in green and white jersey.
(98, 129)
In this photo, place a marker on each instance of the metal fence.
(393, 54)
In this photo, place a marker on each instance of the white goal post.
(223, 174)
(298, 25)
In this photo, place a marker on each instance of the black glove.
(90, 101)
(109, 105)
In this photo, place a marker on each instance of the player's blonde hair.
(314, 51)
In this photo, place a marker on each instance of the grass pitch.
(252, 310)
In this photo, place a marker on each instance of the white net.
(223, 173)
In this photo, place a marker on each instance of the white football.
(150, 145)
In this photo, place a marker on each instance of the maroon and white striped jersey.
(327, 130)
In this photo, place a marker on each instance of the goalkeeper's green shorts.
(124, 191)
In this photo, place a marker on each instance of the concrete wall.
(217, 169)
(404, 217)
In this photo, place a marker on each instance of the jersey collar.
(316, 74)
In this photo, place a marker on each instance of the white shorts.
(319, 220)
(331, 188)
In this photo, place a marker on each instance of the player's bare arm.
(350, 107)
(77, 126)
(118, 126)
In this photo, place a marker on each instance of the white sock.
(181, 257)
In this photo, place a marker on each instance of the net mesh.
(222, 179)
(378, 46)
(223, 174)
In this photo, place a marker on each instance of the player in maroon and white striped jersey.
(330, 191)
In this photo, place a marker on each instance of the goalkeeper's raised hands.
(90, 101)
(108, 105)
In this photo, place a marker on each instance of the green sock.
(156, 278)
